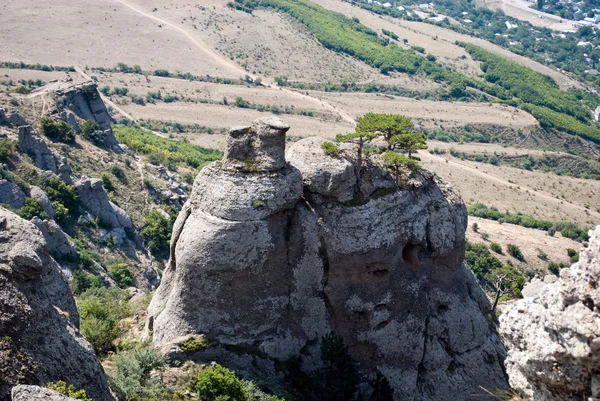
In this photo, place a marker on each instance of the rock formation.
(36, 393)
(38, 194)
(94, 199)
(59, 245)
(553, 333)
(270, 256)
(39, 339)
(11, 194)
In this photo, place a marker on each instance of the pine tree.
(386, 125)
(359, 138)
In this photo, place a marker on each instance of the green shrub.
(69, 391)
(219, 384)
(573, 254)
(515, 252)
(475, 227)
(100, 310)
(32, 208)
(59, 191)
(107, 183)
(330, 148)
(157, 233)
(161, 73)
(156, 158)
(57, 130)
(130, 372)
(118, 173)
(121, 274)
(61, 212)
(7, 148)
(554, 268)
(193, 344)
(496, 247)
(88, 128)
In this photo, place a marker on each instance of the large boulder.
(39, 337)
(11, 194)
(37, 393)
(553, 334)
(41, 196)
(261, 263)
(59, 244)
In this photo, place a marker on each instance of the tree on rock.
(397, 162)
(386, 125)
(409, 142)
(360, 138)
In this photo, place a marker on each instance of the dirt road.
(233, 67)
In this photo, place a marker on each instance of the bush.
(69, 391)
(88, 128)
(131, 370)
(554, 268)
(339, 375)
(32, 208)
(193, 344)
(156, 158)
(118, 173)
(59, 191)
(157, 233)
(107, 183)
(496, 247)
(121, 274)
(475, 227)
(515, 252)
(7, 148)
(219, 384)
(100, 310)
(57, 130)
(330, 148)
(573, 254)
(61, 212)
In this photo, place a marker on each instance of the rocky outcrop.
(38, 194)
(553, 336)
(39, 339)
(94, 199)
(13, 118)
(84, 100)
(59, 245)
(36, 393)
(262, 262)
(11, 194)
(38, 149)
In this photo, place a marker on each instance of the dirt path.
(519, 187)
(106, 99)
(232, 66)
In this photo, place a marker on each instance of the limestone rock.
(15, 119)
(39, 336)
(256, 265)
(37, 393)
(11, 194)
(84, 100)
(553, 336)
(38, 149)
(94, 199)
(59, 244)
(40, 195)
(332, 177)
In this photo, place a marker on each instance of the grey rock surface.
(553, 335)
(38, 194)
(36, 393)
(94, 199)
(257, 264)
(11, 194)
(59, 244)
(35, 146)
(84, 100)
(39, 322)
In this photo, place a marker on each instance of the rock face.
(40, 195)
(553, 335)
(38, 149)
(11, 194)
(36, 393)
(59, 245)
(84, 100)
(263, 262)
(95, 200)
(39, 339)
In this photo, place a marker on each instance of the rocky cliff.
(39, 337)
(270, 255)
(553, 333)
